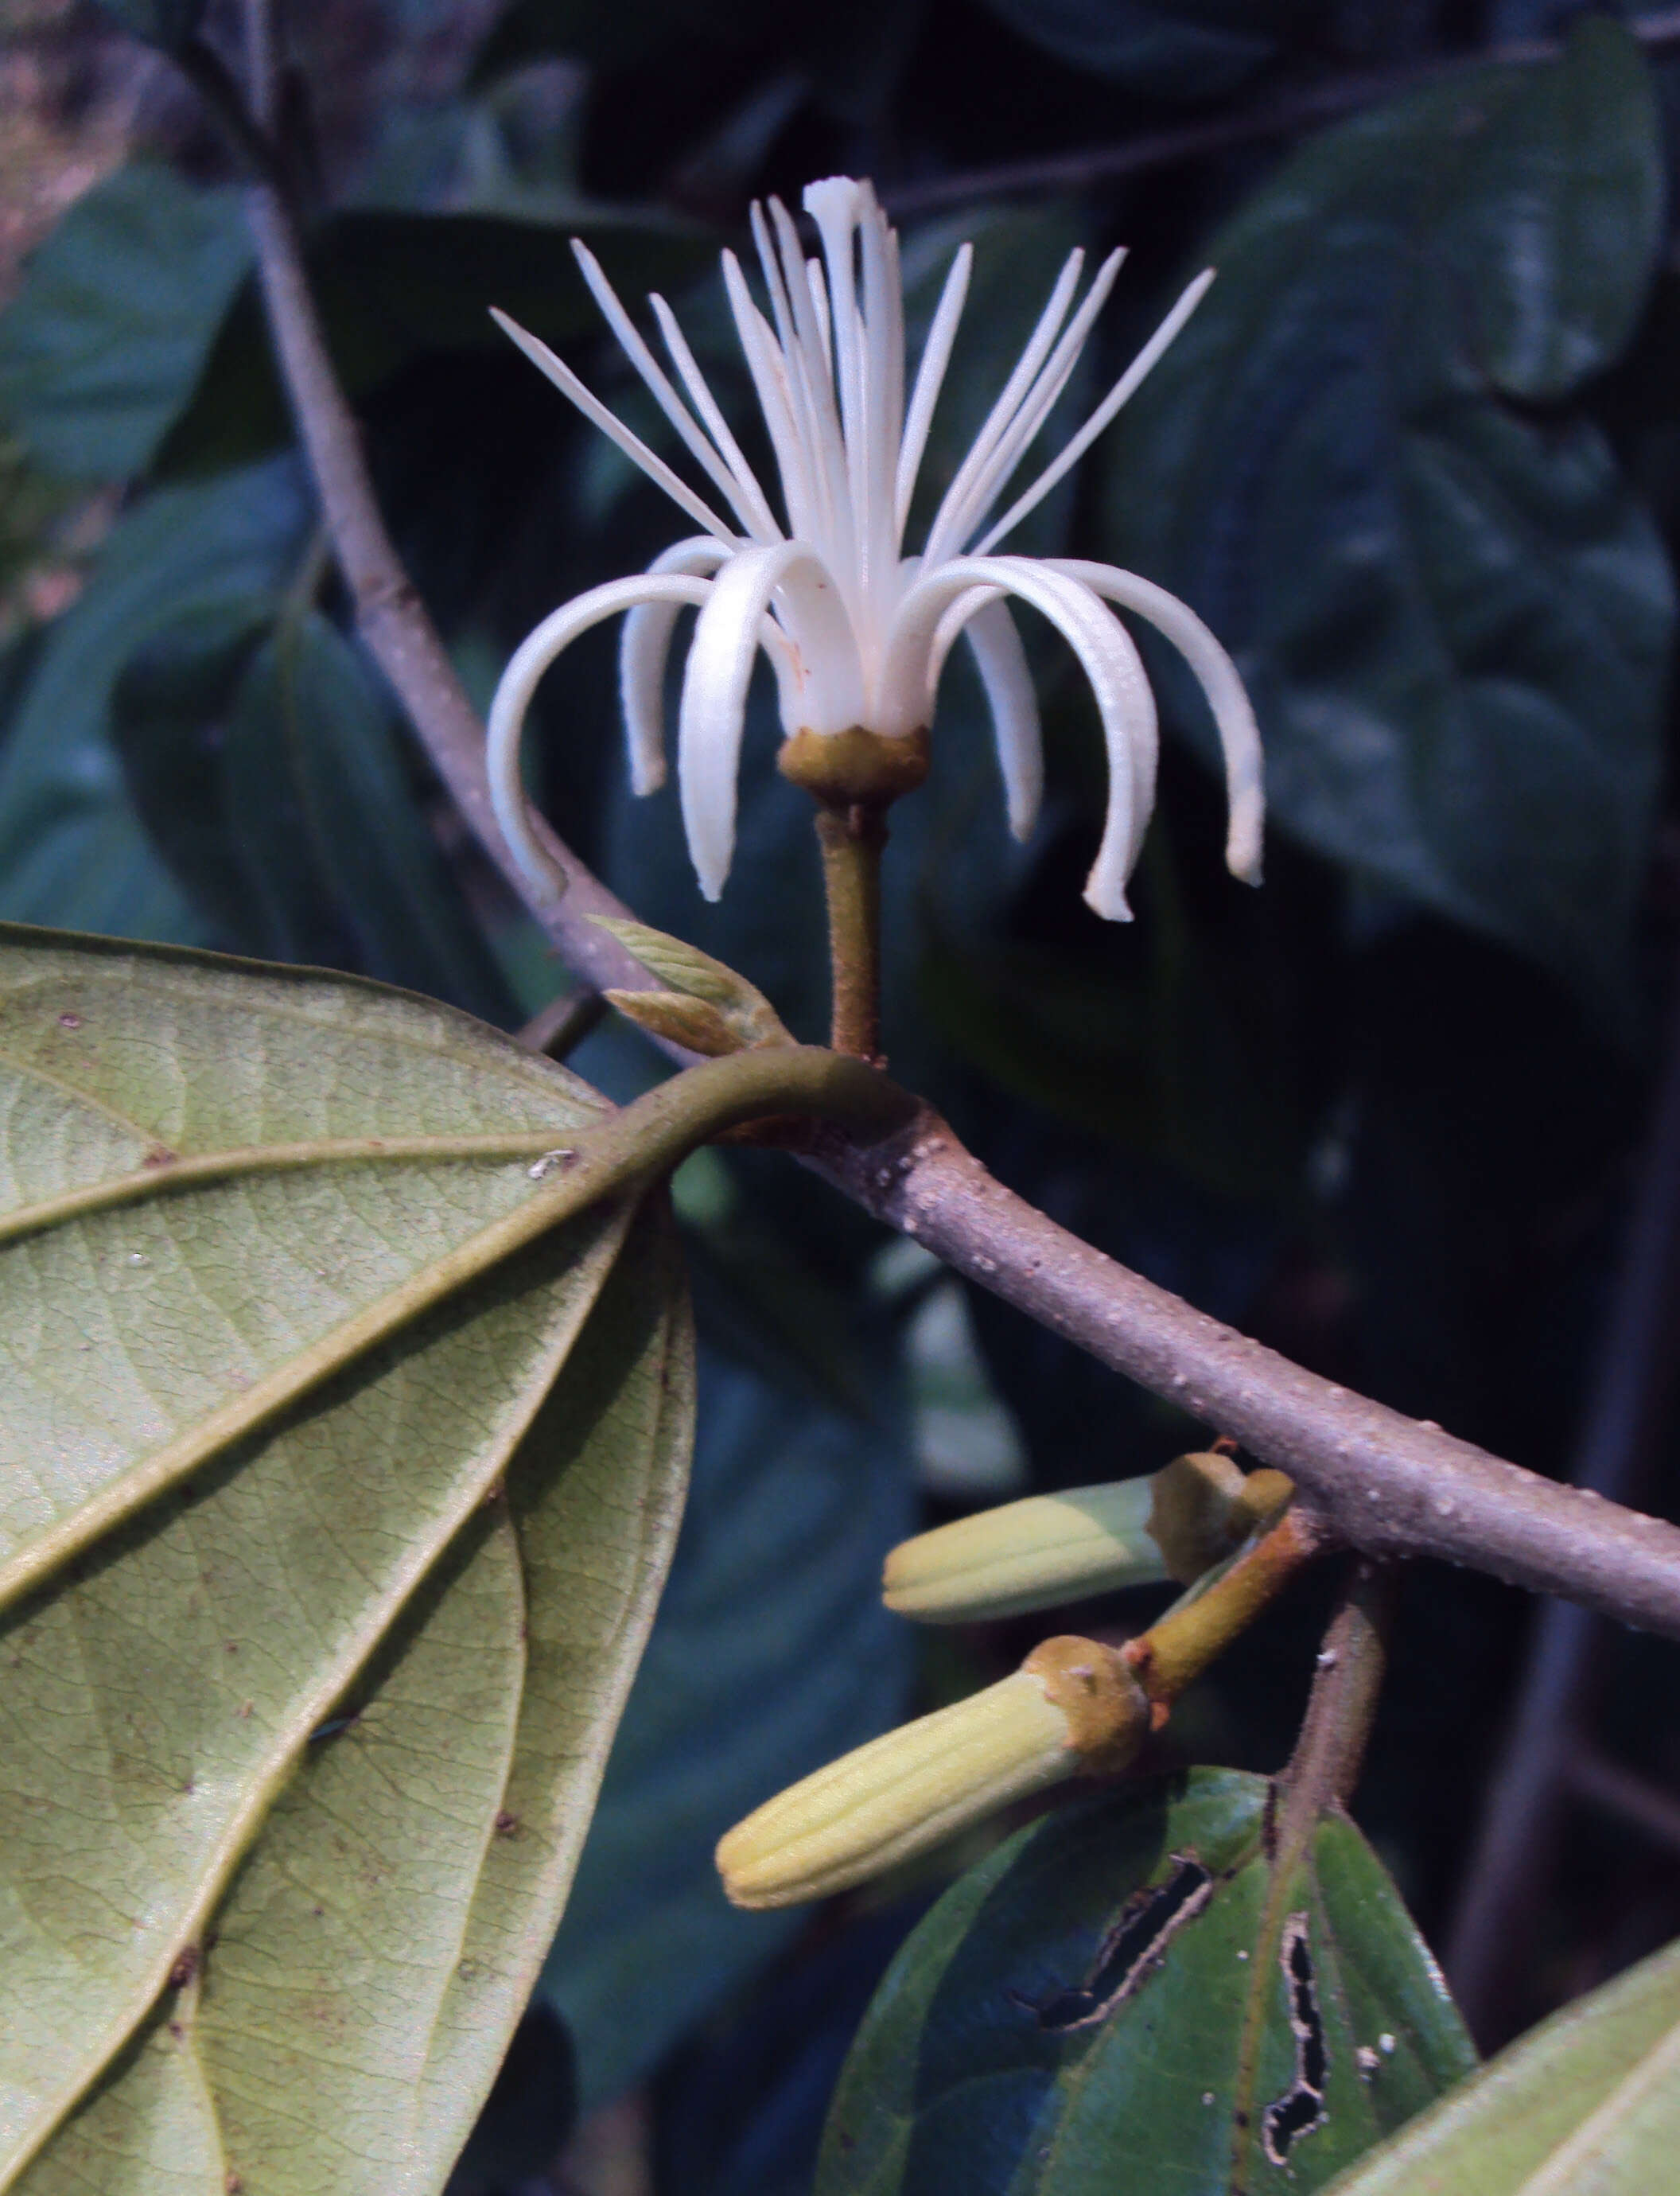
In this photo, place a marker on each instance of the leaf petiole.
(623, 1159)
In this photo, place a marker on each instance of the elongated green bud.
(1053, 1548)
(1026, 1555)
(1072, 1706)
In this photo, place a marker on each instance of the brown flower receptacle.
(855, 768)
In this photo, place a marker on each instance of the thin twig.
(1283, 117)
(1346, 1683)
(1517, 1847)
(208, 73)
(390, 617)
(1385, 1483)
(562, 1025)
(1316, 1783)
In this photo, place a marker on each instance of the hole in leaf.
(1301, 2107)
(1132, 1949)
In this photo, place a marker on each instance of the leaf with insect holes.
(1131, 1981)
(1588, 2103)
(708, 1006)
(330, 1541)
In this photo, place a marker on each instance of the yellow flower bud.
(1072, 1706)
(1053, 1548)
(1026, 1555)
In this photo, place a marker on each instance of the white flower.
(857, 631)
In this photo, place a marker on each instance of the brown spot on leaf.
(506, 1824)
(185, 1967)
(160, 1155)
(70, 1021)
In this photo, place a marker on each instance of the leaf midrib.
(171, 1172)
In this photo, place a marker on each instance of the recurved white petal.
(519, 682)
(732, 627)
(1232, 712)
(644, 643)
(1001, 663)
(1110, 660)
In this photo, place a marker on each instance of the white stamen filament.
(1121, 391)
(930, 379)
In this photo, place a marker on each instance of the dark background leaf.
(72, 852)
(1453, 612)
(1187, 50)
(118, 309)
(392, 286)
(271, 771)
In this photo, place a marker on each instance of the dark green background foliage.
(1417, 459)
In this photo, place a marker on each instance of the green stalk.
(851, 839)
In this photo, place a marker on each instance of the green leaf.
(1453, 611)
(330, 1552)
(1127, 1981)
(1589, 2101)
(72, 852)
(392, 287)
(270, 768)
(105, 342)
(166, 23)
